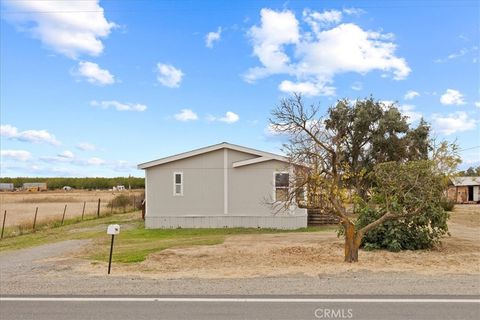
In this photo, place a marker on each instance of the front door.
(470, 193)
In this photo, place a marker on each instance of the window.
(281, 186)
(178, 183)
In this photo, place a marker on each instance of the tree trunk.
(352, 242)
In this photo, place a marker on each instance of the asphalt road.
(240, 307)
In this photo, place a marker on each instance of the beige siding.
(245, 201)
(251, 187)
(202, 189)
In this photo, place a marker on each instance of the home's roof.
(262, 155)
(465, 181)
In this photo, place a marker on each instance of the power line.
(475, 147)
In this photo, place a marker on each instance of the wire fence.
(70, 213)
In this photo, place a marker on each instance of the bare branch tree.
(320, 156)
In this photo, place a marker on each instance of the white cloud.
(56, 159)
(229, 117)
(119, 106)
(457, 54)
(454, 122)
(274, 131)
(18, 155)
(34, 136)
(67, 154)
(122, 166)
(94, 161)
(306, 88)
(319, 20)
(408, 110)
(94, 74)
(388, 103)
(186, 115)
(357, 86)
(348, 48)
(276, 30)
(70, 28)
(452, 96)
(316, 60)
(85, 146)
(169, 76)
(354, 11)
(8, 131)
(471, 157)
(410, 95)
(477, 104)
(212, 37)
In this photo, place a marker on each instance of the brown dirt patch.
(311, 254)
(466, 214)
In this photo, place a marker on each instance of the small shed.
(464, 190)
(6, 187)
(34, 186)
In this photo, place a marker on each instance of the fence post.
(83, 211)
(35, 219)
(111, 207)
(98, 208)
(63, 217)
(3, 224)
(134, 202)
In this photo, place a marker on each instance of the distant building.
(464, 190)
(6, 187)
(34, 186)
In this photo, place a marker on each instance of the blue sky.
(92, 88)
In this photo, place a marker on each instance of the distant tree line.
(80, 183)
(470, 172)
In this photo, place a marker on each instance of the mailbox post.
(112, 229)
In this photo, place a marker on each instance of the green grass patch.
(74, 228)
(134, 243)
(27, 227)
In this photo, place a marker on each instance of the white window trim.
(275, 186)
(175, 194)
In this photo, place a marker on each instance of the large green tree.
(373, 132)
(405, 187)
(339, 152)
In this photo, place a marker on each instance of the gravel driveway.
(35, 260)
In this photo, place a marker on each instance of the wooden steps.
(317, 218)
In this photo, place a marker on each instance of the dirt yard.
(284, 263)
(311, 254)
(21, 206)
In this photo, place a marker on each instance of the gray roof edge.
(195, 152)
(465, 181)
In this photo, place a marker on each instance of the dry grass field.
(21, 206)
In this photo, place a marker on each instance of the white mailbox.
(113, 229)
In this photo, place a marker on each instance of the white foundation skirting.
(273, 221)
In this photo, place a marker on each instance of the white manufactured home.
(223, 185)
